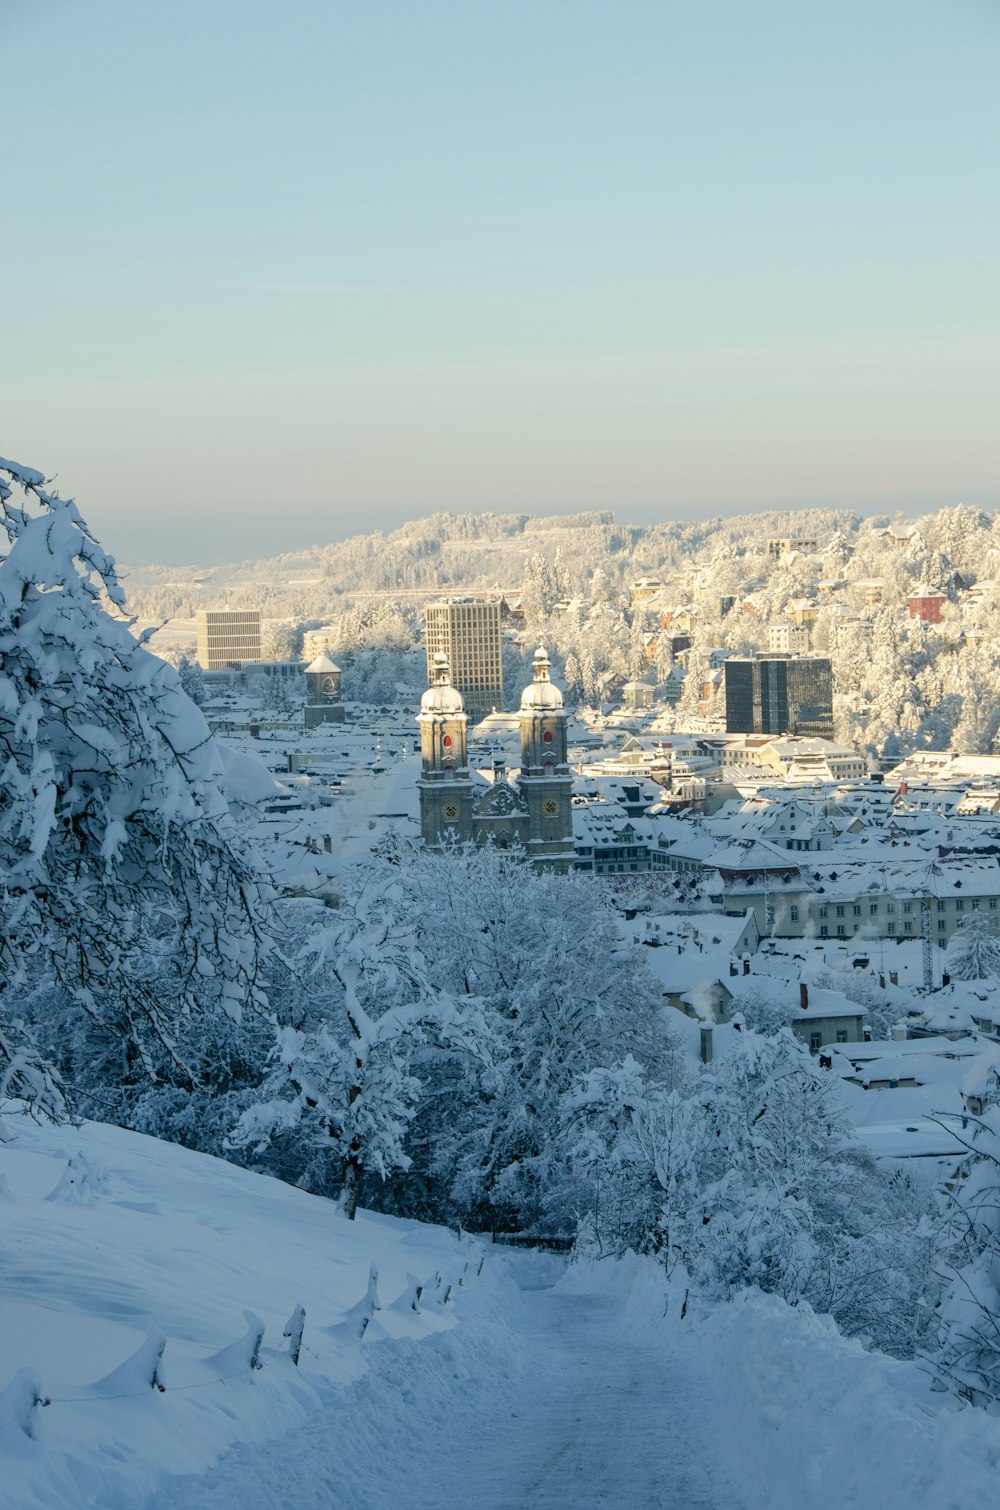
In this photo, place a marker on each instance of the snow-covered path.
(564, 1405)
(603, 1419)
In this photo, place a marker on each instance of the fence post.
(294, 1328)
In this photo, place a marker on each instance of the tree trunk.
(349, 1187)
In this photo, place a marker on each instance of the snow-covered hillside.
(109, 1239)
(533, 1383)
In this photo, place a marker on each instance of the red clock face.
(447, 741)
(547, 736)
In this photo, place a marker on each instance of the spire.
(441, 696)
(541, 695)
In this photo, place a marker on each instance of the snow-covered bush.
(746, 1176)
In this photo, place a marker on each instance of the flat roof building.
(779, 694)
(466, 632)
(227, 637)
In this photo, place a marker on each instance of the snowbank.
(815, 1420)
(137, 1278)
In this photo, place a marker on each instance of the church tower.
(444, 784)
(545, 780)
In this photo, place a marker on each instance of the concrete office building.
(227, 637)
(466, 632)
(779, 694)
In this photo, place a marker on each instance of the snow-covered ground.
(108, 1238)
(535, 1384)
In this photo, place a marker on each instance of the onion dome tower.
(444, 785)
(545, 780)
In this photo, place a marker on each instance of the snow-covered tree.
(969, 1354)
(341, 1075)
(557, 994)
(123, 881)
(974, 948)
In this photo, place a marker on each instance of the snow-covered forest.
(463, 1040)
(899, 685)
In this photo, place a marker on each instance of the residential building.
(872, 590)
(466, 632)
(788, 639)
(802, 611)
(925, 604)
(226, 637)
(803, 545)
(316, 642)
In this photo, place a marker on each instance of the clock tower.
(444, 784)
(323, 705)
(545, 781)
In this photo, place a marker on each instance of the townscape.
(500, 756)
(598, 977)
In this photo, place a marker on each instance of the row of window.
(841, 928)
(840, 908)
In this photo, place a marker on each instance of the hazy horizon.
(282, 275)
(292, 542)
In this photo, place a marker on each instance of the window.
(822, 912)
(959, 904)
(873, 909)
(940, 907)
(890, 908)
(907, 906)
(824, 931)
(841, 930)
(841, 1035)
(856, 909)
(993, 904)
(942, 925)
(793, 913)
(815, 1042)
(840, 912)
(907, 927)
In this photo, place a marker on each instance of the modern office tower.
(466, 632)
(779, 694)
(227, 637)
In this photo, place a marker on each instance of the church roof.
(320, 664)
(541, 695)
(441, 696)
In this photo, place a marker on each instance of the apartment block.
(467, 631)
(227, 637)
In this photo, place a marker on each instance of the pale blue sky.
(275, 273)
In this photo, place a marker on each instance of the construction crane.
(928, 946)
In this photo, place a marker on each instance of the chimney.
(706, 1044)
(803, 996)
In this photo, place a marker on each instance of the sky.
(274, 274)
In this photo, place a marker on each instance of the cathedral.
(534, 811)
